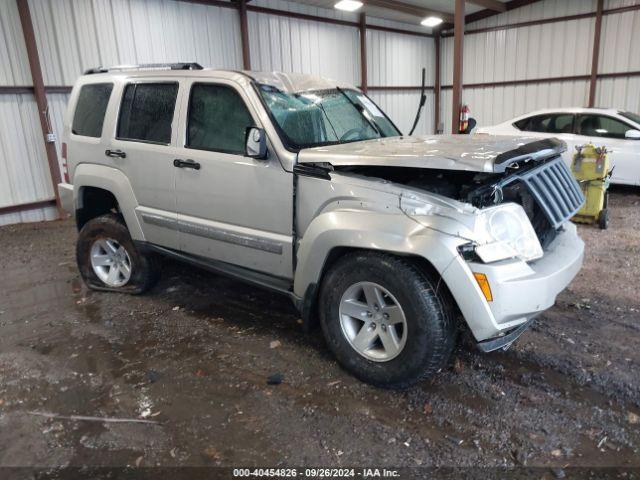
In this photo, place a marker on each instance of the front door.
(230, 207)
(624, 154)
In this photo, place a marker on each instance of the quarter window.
(601, 126)
(218, 119)
(90, 109)
(147, 112)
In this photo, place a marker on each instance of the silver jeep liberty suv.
(302, 185)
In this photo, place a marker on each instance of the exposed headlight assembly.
(495, 233)
(505, 232)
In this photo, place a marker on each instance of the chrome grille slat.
(556, 191)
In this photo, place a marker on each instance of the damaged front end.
(532, 187)
(492, 217)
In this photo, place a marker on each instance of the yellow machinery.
(591, 168)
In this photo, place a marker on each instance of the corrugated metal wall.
(24, 174)
(72, 36)
(397, 60)
(532, 52)
(542, 51)
(292, 45)
(619, 53)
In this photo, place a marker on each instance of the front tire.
(109, 260)
(384, 321)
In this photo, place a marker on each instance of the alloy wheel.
(110, 262)
(373, 322)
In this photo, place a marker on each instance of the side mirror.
(632, 134)
(256, 143)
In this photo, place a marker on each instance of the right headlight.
(504, 232)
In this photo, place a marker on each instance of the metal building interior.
(208, 372)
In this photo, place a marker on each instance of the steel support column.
(41, 97)
(596, 54)
(363, 52)
(458, 40)
(244, 34)
(436, 85)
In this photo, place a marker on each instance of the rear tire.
(109, 260)
(359, 339)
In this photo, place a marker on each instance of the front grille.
(555, 190)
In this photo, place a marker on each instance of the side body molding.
(114, 181)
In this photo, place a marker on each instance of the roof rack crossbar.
(147, 66)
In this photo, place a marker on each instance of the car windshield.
(634, 117)
(326, 117)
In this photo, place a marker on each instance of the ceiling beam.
(494, 5)
(474, 17)
(410, 9)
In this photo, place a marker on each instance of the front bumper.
(65, 190)
(520, 290)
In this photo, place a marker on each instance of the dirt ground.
(193, 356)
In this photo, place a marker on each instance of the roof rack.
(146, 66)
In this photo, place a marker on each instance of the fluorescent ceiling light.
(348, 5)
(431, 21)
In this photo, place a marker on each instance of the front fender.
(114, 181)
(387, 232)
(398, 234)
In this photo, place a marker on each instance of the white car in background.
(618, 130)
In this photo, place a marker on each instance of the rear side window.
(218, 119)
(548, 123)
(146, 112)
(90, 109)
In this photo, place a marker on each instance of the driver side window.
(601, 126)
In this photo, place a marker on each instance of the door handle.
(115, 153)
(186, 164)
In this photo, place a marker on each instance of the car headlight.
(505, 232)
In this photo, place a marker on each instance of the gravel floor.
(193, 356)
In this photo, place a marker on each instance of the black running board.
(263, 280)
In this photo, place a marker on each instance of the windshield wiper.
(360, 110)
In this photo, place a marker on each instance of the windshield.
(634, 117)
(325, 117)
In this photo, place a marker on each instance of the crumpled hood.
(475, 153)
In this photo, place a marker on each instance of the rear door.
(144, 148)
(624, 154)
(231, 208)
